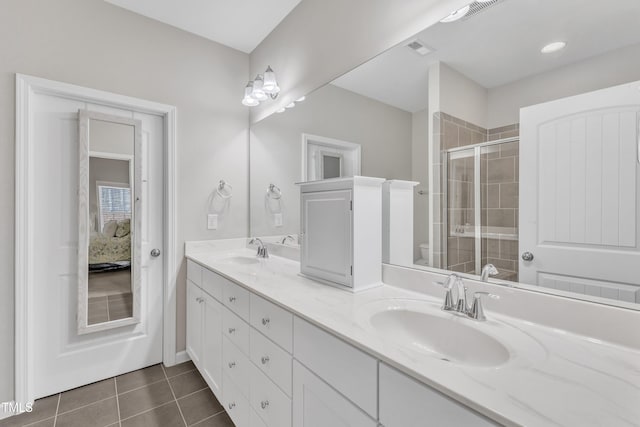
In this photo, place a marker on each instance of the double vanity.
(281, 350)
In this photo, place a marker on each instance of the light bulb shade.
(248, 100)
(258, 92)
(270, 85)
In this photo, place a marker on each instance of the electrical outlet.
(212, 221)
(277, 219)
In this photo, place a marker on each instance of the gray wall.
(384, 133)
(92, 43)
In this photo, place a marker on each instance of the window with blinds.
(114, 203)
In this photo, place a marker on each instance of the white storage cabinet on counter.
(270, 368)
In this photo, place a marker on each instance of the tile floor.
(154, 396)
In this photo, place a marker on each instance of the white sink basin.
(242, 260)
(421, 326)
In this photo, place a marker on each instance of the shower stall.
(480, 184)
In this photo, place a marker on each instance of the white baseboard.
(182, 356)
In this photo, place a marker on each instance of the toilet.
(424, 253)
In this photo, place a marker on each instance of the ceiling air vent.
(478, 6)
(419, 47)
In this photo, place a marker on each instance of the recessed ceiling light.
(455, 15)
(302, 98)
(553, 47)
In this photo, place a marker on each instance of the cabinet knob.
(265, 321)
(265, 360)
(232, 330)
(232, 299)
(232, 405)
(264, 404)
(232, 364)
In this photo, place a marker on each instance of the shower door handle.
(527, 256)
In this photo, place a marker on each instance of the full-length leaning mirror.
(520, 121)
(109, 221)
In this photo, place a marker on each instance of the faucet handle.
(448, 298)
(477, 312)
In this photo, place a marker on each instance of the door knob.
(155, 252)
(527, 256)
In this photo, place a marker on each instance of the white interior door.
(63, 359)
(580, 193)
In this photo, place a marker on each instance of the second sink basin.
(421, 326)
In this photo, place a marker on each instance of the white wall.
(384, 133)
(461, 97)
(323, 39)
(613, 68)
(92, 43)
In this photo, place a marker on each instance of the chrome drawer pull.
(264, 404)
(232, 330)
(232, 405)
(232, 364)
(265, 360)
(265, 321)
(232, 299)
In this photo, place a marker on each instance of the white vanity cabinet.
(404, 400)
(270, 368)
(341, 231)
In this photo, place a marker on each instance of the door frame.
(27, 87)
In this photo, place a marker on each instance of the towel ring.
(224, 190)
(274, 192)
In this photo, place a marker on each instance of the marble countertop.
(563, 379)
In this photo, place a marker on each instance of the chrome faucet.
(288, 237)
(488, 270)
(475, 310)
(262, 249)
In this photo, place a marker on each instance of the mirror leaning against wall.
(109, 221)
(520, 123)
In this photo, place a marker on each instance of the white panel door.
(327, 235)
(580, 193)
(61, 354)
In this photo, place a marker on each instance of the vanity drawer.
(194, 272)
(236, 298)
(272, 360)
(273, 321)
(255, 420)
(212, 283)
(269, 402)
(236, 405)
(404, 400)
(236, 366)
(236, 330)
(347, 369)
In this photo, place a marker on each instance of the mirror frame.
(84, 117)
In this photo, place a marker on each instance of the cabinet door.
(315, 404)
(212, 344)
(406, 402)
(194, 323)
(327, 236)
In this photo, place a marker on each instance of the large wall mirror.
(520, 121)
(109, 221)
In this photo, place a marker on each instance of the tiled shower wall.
(499, 195)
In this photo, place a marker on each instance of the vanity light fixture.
(281, 110)
(261, 88)
(302, 98)
(291, 105)
(553, 47)
(455, 15)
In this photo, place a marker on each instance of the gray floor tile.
(166, 415)
(179, 369)
(220, 420)
(198, 406)
(49, 422)
(145, 398)
(81, 396)
(139, 378)
(42, 409)
(97, 414)
(187, 383)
